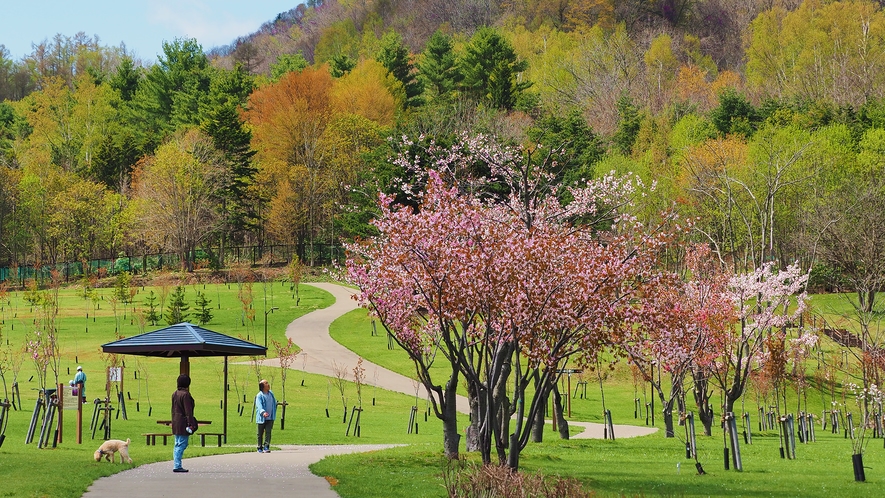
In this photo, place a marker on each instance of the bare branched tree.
(340, 383)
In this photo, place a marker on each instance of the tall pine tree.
(438, 68)
(221, 121)
(491, 69)
(395, 57)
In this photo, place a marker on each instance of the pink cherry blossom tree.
(505, 286)
(714, 315)
(768, 300)
(677, 336)
(410, 277)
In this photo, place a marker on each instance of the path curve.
(282, 473)
(320, 354)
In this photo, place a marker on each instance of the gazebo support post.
(185, 368)
(225, 400)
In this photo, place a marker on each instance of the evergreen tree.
(221, 121)
(395, 57)
(438, 67)
(341, 64)
(172, 92)
(177, 311)
(491, 69)
(735, 114)
(580, 148)
(629, 120)
(152, 316)
(204, 312)
(125, 80)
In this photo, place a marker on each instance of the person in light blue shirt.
(265, 413)
(80, 382)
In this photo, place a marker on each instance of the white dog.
(110, 447)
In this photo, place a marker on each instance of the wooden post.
(79, 418)
(185, 367)
(61, 404)
(553, 411)
(224, 429)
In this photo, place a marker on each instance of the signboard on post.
(69, 398)
(115, 374)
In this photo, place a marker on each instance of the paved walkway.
(282, 473)
(285, 472)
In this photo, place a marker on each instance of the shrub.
(499, 481)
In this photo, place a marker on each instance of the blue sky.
(142, 24)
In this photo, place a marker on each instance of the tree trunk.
(513, 457)
(734, 393)
(680, 406)
(472, 443)
(562, 424)
(484, 422)
(705, 414)
(668, 420)
(501, 404)
(451, 437)
(702, 400)
(538, 422)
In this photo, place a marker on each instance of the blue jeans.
(178, 450)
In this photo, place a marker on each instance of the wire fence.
(318, 255)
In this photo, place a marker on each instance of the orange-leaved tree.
(288, 119)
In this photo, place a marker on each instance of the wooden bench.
(204, 434)
(151, 438)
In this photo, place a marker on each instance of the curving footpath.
(285, 472)
(281, 473)
(320, 354)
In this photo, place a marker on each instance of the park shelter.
(186, 340)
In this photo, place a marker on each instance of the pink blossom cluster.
(465, 267)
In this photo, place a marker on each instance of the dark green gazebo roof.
(184, 339)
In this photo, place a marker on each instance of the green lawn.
(309, 395)
(647, 466)
(641, 466)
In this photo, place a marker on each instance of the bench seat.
(151, 437)
(204, 434)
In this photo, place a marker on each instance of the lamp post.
(265, 323)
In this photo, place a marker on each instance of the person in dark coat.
(183, 422)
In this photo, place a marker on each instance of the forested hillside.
(764, 120)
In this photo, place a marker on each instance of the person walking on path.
(265, 413)
(183, 422)
(80, 382)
